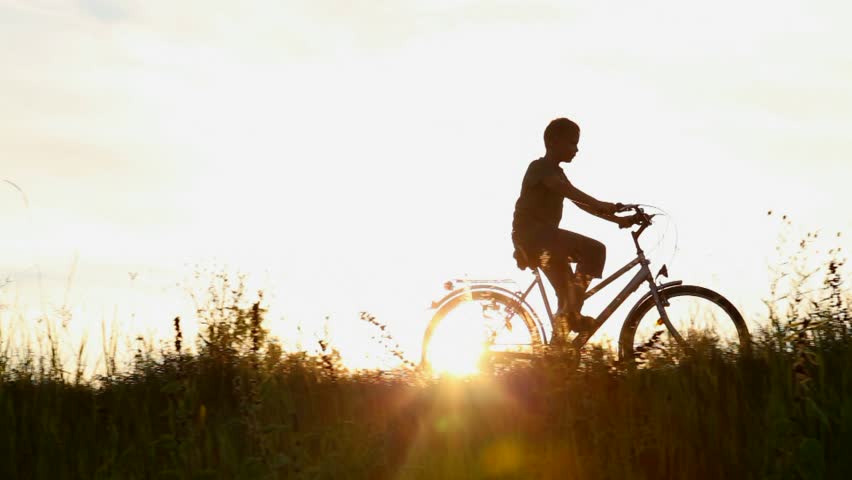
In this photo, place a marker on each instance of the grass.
(241, 407)
(297, 416)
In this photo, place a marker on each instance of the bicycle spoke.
(483, 323)
(695, 324)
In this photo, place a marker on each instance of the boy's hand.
(627, 222)
(611, 208)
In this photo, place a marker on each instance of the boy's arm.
(606, 216)
(583, 200)
(586, 202)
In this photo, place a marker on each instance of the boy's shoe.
(582, 323)
(576, 321)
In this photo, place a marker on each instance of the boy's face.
(565, 148)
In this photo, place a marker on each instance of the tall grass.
(242, 407)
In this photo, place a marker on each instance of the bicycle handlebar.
(642, 218)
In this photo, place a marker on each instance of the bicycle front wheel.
(479, 325)
(705, 320)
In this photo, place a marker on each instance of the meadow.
(236, 405)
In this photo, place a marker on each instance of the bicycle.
(509, 328)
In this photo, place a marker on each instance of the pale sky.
(353, 158)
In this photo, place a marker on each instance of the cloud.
(298, 27)
(105, 10)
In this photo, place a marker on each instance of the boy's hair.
(560, 128)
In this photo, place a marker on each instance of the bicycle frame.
(643, 275)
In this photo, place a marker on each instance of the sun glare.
(458, 344)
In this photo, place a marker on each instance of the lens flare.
(458, 343)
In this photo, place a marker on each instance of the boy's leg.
(571, 303)
(581, 284)
(555, 250)
(590, 256)
(570, 293)
(577, 320)
(560, 275)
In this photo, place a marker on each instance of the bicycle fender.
(436, 304)
(465, 290)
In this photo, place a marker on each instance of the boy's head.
(561, 138)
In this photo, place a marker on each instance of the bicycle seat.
(522, 259)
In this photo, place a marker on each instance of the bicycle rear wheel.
(706, 320)
(477, 326)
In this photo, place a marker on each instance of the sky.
(353, 158)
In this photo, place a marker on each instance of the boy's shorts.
(558, 247)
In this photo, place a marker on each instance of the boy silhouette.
(539, 241)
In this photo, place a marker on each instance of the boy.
(536, 235)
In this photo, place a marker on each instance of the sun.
(458, 344)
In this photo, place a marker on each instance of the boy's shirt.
(538, 206)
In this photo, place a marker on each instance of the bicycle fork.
(662, 303)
